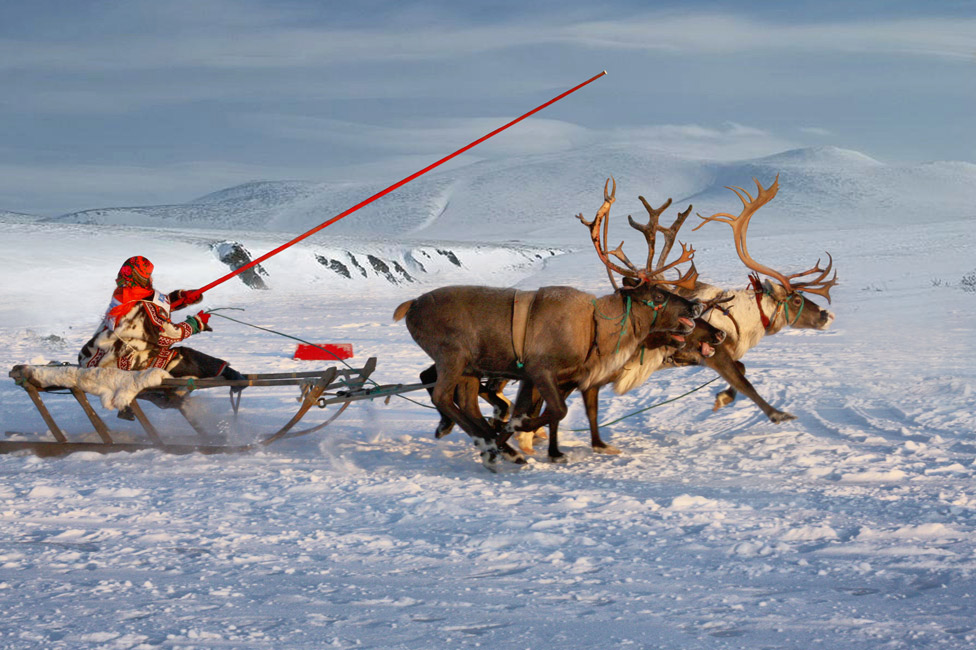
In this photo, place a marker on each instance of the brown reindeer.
(704, 339)
(570, 335)
(528, 400)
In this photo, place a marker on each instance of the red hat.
(136, 272)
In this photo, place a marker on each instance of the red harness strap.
(759, 291)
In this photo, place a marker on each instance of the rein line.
(295, 338)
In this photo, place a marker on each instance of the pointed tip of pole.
(604, 72)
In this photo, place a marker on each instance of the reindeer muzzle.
(826, 318)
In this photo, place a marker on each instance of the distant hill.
(534, 198)
(17, 217)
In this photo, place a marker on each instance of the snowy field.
(852, 527)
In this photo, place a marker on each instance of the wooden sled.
(317, 388)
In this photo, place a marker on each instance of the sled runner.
(332, 386)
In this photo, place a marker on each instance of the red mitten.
(192, 297)
(200, 322)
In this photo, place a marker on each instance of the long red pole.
(406, 180)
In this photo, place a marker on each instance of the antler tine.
(649, 230)
(618, 252)
(715, 302)
(670, 233)
(689, 278)
(817, 285)
(601, 218)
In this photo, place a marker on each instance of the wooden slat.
(42, 409)
(45, 449)
(146, 424)
(92, 415)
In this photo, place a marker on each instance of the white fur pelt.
(116, 388)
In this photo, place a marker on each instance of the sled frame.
(317, 388)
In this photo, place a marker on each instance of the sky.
(146, 102)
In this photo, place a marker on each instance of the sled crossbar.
(317, 388)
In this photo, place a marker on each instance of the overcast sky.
(161, 101)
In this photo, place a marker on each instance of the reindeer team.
(558, 339)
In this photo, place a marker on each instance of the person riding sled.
(137, 332)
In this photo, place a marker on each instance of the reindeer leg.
(591, 402)
(446, 425)
(734, 373)
(555, 411)
(468, 391)
(524, 418)
(491, 392)
(449, 375)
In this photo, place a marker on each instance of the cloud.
(250, 43)
(728, 141)
(443, 136)
(815, 130)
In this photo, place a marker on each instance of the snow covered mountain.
(533, 198)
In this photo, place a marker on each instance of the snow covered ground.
(852, 527)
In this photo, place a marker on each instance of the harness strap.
(759, 291)
(520, 319)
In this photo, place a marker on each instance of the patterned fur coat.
(142, 337)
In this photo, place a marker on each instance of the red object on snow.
(323, 352)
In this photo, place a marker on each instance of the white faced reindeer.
(760, 310)
(570, 335)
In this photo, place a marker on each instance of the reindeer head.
(787, 290)
(648, 284)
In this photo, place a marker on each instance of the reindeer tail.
(402, 310)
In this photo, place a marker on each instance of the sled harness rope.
(389, 392)
(653, 406)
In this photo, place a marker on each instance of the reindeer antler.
(650, 230)
(649, 273)
(818, 285)
(601, 218)
(740, 226)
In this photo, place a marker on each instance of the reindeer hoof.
(444, 428)
(560, 459)
(606, 449)
(512, 456)
(722, 399)
(525, 441)
(781, 416)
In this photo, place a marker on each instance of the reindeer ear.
(630, 283)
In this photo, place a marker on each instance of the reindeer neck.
(621, 324)
(743, 328)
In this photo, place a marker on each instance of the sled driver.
(137, 332)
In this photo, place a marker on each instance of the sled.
(332, 386)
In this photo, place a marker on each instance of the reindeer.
(748, 319)
(570, 335)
